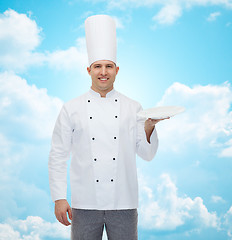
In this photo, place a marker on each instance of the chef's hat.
(100, 31)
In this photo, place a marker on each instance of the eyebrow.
(99, 64)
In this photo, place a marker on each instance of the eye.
(97, 66)
(109, 66)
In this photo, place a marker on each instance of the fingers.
(70, 213)
(154, 121)
(158, 119)
(62, 218)
(65, 219)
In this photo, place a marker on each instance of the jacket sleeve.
(59, 155)
(145, 149)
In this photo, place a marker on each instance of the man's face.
(103, 75)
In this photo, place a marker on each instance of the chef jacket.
(103, 136)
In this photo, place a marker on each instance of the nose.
(103, 71)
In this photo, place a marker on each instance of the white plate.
(161, 112)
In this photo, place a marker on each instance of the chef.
(103, 134)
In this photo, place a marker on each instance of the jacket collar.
(110, 94)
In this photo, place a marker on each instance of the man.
(102, 131)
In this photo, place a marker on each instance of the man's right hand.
(61, 209)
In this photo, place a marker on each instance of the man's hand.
(61, 209)
(149, 126)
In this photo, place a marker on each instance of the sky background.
(173, 52)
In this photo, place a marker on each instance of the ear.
(117, 69)
(88, 70)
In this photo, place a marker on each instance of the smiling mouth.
(103, 79)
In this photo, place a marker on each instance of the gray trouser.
(89, 224)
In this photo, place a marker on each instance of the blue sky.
(170, 53)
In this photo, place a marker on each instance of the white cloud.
(9, 159)
(118, 22)
(20, 196)
(151, 3)
(33, 228)
(206, 121)
(7, 232)
(170, 11)
(74, 58)
(168, 14)
(27, 117)
(228, 222)
(217, 199)
(162, 209)
(19, 37)
(213, 16)
(227, 151)
(23, 31)
(26, 108)
(223, 3)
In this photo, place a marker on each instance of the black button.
(95, 159)
(112, 180)
(114, 137)
(93, 138)
(115, 100)
(113, 158)
(116, 116)
(97, 180)
(73, 130)
(90, 117)
(88, 100)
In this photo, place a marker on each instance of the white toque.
(100, 32)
